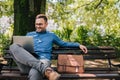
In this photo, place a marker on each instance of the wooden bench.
(110, 71)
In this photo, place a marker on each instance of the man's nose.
(39, 25)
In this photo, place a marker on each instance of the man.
(38, 67)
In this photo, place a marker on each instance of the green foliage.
(90, 22)
(6, 7)
(4, 42)
(6, 29)
(81, 35)
(65, 33)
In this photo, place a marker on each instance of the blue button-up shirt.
(43, 42)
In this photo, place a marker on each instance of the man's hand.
(83, 48)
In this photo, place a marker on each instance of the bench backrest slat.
(100, 52)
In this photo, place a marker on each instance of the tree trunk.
(24, 15)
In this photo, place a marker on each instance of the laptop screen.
(25, 41)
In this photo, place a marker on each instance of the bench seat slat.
(12, 75)
(89, 76)
(98, 57)
(100, 69)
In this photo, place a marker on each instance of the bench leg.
(110, 64)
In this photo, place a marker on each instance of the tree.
(90, 22)
(24, 14)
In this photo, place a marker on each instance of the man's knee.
(13, 47)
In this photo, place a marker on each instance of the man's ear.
(46, 23)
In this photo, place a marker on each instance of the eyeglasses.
(38, 24)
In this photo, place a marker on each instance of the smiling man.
(39, 66)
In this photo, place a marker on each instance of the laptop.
(24, 41)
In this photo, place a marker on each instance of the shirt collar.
(41, 32)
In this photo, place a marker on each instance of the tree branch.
(98, 4)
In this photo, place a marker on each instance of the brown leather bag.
(70, 63)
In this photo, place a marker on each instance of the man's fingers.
(83, 48)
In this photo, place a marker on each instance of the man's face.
(40, 24)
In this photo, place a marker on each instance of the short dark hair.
(42, 16)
